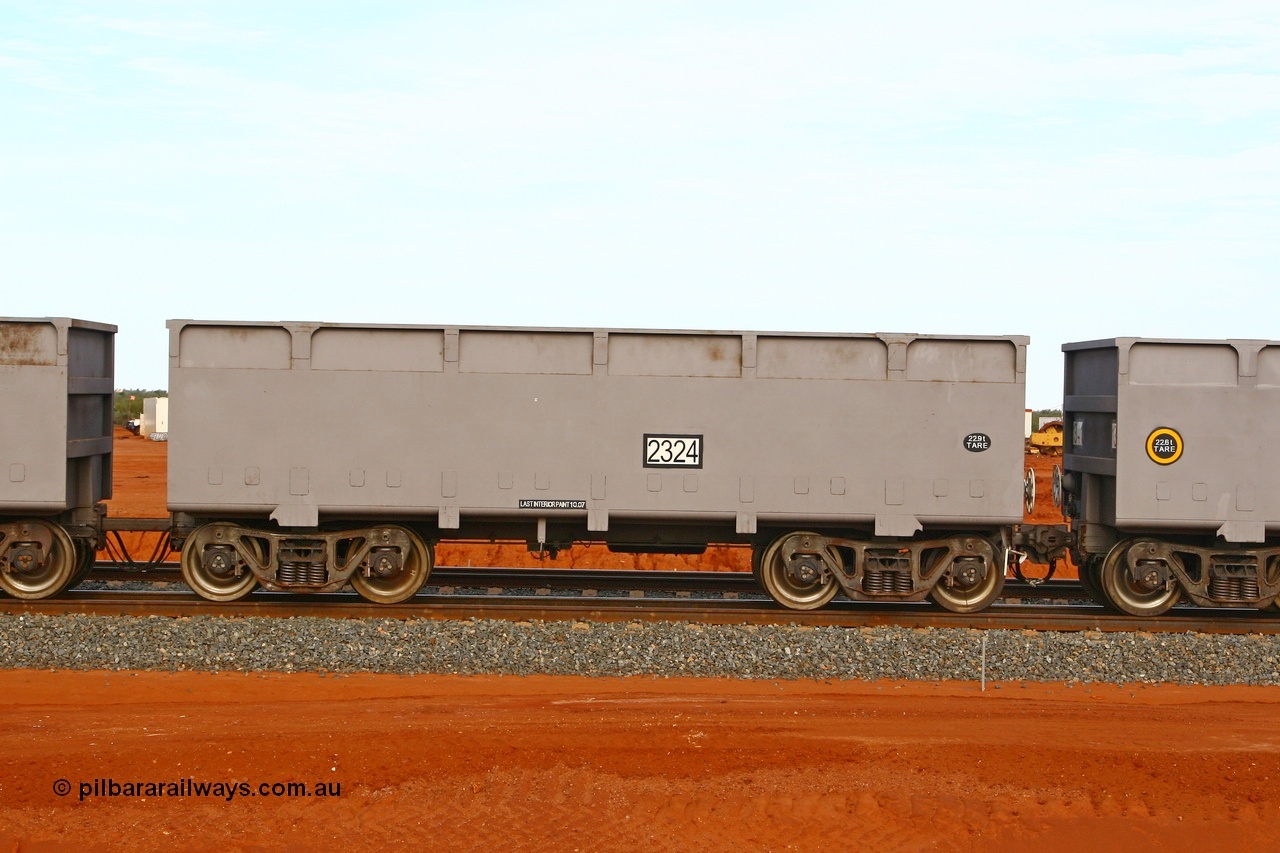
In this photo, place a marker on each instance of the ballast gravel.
(660, 649)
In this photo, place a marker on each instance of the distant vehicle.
(1047, 439)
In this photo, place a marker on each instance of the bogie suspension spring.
(886, 583)
(304, 574)
(1234, 589)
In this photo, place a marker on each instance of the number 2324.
(677, 451)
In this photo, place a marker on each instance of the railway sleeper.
(804, 570)
(385, 563)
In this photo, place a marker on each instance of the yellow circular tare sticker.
(1164, 445)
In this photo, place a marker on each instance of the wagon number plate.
(672, 451)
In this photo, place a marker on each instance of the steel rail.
(741, 583)
(715, 611)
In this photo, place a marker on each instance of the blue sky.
(1068, 173)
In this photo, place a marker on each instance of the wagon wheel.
(1141, 596)
(51, 575)
(405, 583)
(966, 594)
(1090, 580)
(85, 554)
(785, 580)
(214, 576)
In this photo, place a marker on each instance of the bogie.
(385, 564)
(804, 570)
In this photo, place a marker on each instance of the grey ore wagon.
(56, 389)
(1171, 466)
(304, 455)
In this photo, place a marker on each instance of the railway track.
(613, 596)
(465, 580)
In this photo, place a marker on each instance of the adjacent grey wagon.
(304, 456)
(56, 378)
(1171, 468)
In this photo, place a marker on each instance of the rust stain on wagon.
(26, 344)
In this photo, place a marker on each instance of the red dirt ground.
(470, 763)
(486, 763)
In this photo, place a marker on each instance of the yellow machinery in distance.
(1047, 440)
